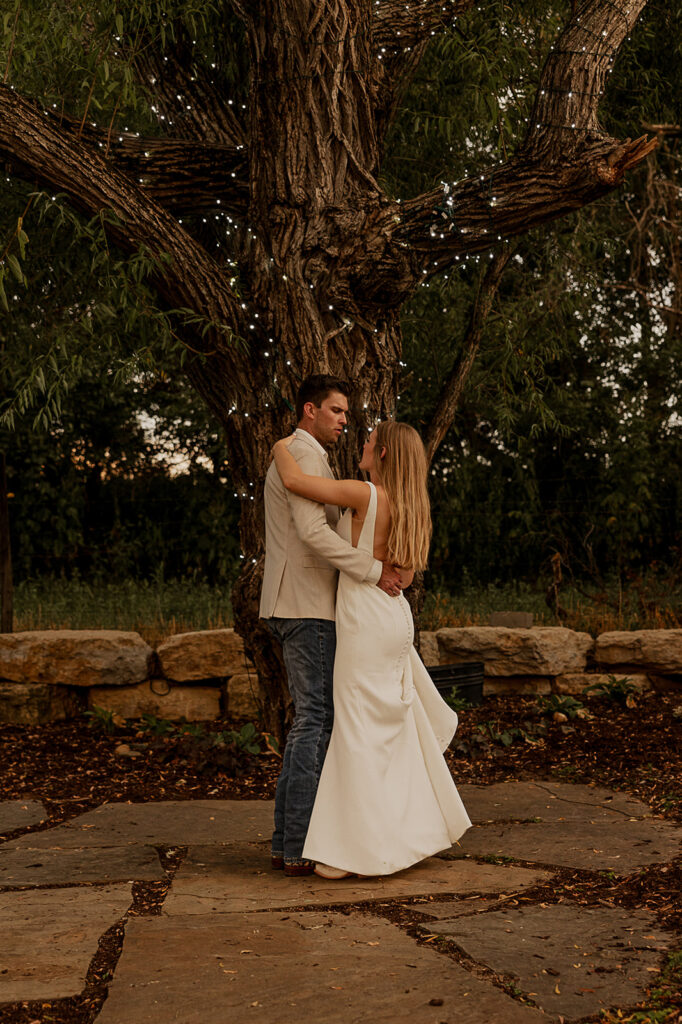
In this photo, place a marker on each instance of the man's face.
(327, 421)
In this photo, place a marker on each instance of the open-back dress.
(386, 798)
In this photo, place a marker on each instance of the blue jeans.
(308, 646)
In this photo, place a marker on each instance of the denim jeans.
(308, 646)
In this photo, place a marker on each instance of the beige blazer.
(302, 552)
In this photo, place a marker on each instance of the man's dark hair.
(316, 388)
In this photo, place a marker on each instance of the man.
(302, 557)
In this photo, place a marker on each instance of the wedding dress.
(386, 798)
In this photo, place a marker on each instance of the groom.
(302, 556)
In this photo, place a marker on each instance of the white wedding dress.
(386, 798)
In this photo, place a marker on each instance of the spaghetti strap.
(366, 538)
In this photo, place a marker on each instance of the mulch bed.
(72, 768)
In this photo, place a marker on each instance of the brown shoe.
(296, 870)
(276, 862)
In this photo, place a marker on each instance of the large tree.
(256, 204)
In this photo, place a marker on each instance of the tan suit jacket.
(302, 552)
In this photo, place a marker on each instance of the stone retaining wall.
(552, 659)
(47, 675)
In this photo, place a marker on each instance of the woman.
(386, 798)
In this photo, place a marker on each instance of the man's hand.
(389, 581)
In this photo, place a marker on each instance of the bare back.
(382, 529)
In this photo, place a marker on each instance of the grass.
(154, 609)
(158, 608)
(650, 602)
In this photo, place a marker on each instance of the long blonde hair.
(402, 471)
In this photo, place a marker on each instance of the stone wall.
(552, 659)
(54, 674)
(46, 675)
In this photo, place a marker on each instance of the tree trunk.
(6, 585)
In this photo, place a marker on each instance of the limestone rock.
(17, 814)
(205, 654)
(243, 696)
(576, 961)
(574, 683)
(429, 648)
(36, 703)
(49, 938)
(275, 968)
(161, 823)
(520, 685)
(26, 867)
(74, 657)
(158, 697)
(657, 649)
(541, 651)
(236, 877)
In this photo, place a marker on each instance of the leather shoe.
(296, 870)
(276, 862)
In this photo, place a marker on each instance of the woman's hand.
(284, 442)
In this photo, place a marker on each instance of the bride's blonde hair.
(402, 471)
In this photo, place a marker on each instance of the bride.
(386, 798)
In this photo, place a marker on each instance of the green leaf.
(15, 267)
(119, 24)
(3, 294)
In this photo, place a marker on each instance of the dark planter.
(467, 678)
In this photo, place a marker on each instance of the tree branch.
(54, 156)
(400, 33)
(451, 392)
(565, 162)
(186, 100)
(182, 175)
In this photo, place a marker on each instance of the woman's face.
(367, 460)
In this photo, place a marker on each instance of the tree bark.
(6, 585)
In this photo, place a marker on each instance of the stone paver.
(49, 938)
(549, 801)
(571, 960)
(620, 847)
(450, 909)
(238, 877)
(285, 969)
(16, 814)
(25, 866)
(232, 942)
(167, 823)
